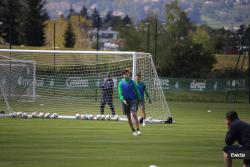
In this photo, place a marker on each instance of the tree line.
(23, 22)
(179, 47)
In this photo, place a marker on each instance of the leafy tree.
(34, 24)
(201, 36)
(133, 38)
(10, 28)
(190, 60)
(69, 36)
(179, 54)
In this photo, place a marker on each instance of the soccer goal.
(68, 82)
(17, 78)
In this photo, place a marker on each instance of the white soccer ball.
(19, 114)
(13, 115)
(115, 118)
(55, 115)
(152, 165)
(98, 117)
(78, 116)
(35, 115)
(90, 117)
(41, 115)
(102, 117)
(24, 115)
(107, 117)
(47, 115)
(82, 116)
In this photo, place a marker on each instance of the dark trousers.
(110, 103)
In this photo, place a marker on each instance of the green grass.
(195, 140)
(207, 96)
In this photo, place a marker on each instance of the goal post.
(68, 82)
(17, 81)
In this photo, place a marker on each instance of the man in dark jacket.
(237, 131)
(107, 87)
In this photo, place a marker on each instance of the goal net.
(69, 82)
(16, 81)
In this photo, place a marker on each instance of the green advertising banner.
(204, 84)
(70, 82)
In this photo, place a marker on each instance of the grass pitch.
(195, 140)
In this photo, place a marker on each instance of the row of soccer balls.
(55, 115)
(97, 117)
(34, 115)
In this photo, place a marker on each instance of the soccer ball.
(24, 115)
(19, 114)
(47, 115)
(98, 117)
(35, 115)
(54, 116)
(13, 115)
(90, 117)
(102, 117)
(41, 115)
(107, 117)
(77, 116)
(115, 118)
(82, 116)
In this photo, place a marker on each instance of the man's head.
(138, 77)
(125, 74)
(230, 117)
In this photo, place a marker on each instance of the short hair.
(138, 74)
(125, 71)
(232, 115)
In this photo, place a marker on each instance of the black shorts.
(228, 149)
(131, 107)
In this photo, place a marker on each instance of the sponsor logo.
(27, 82)
(77, 82)
(237, 83)
(238, 155)
(165, 83)
(194, 85)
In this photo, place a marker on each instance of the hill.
(215, 13)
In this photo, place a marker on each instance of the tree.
(127, 20)
(34, 24)
(10, 28)
(71, 12)
(201, 36)
(84, 12)
(69, 36)
(179, 54)
(96, 20)
(190, 60)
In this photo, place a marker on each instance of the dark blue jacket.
(240, 132)
(107, 88)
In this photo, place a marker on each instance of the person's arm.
(138, 95)
(120, 92)
(231, 135)
(147, 94)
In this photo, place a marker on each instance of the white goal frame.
(134, 66)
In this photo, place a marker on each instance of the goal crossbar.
(64, 79)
